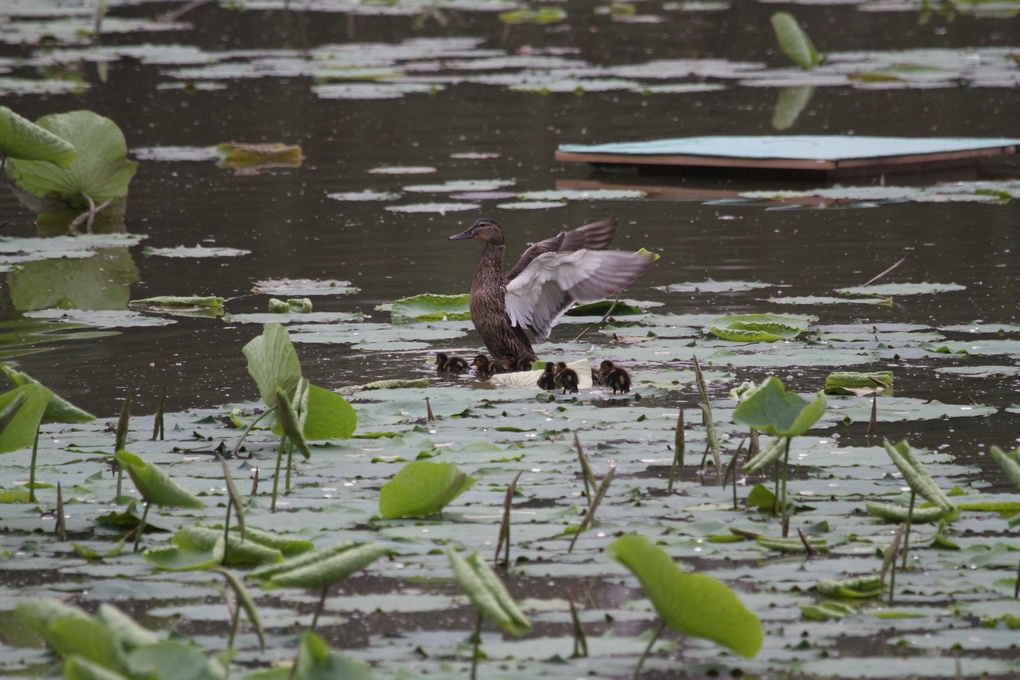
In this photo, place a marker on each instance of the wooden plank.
(829, 155)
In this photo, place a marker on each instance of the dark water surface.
(294, 230)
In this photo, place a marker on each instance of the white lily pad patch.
(303, 287)
(101, 319)
(710, 286)
(439, 208)
(365, 195)
(403, 170)
(196, 252)
(892, 289)
(176, 153)
(455, 186)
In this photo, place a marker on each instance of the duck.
(614, 376)
(547, 381)
(551, 275)
(450, 364)
(486, 367)
(513, 364)
(566, 378)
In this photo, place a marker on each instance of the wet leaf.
(794, 42)
(757, 327)
(916, 474)
(487, 592)
(431, 307)
(273, 362)
(893, 289)
(316, 661)
(196, 251)
(154, 485)
(21, 411)
(322, 568)
(20, 138)
(58, 410)
(778, 413)
(422, 488)
(690, 604)
(99, 170)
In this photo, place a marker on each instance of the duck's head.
(442, 358)
(484, 230)
(481, 361)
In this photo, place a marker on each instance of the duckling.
(447, 364)
(547, 381)
(513, 364)
(615, 376)
(486, 367)
(566, 378)
(551, 276)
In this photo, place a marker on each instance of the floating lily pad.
(441, 208)
(304, 287)
(196, 251)
(893, 289)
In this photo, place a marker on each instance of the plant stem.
(251, 425)
(648, 649)
(320, 607)
(276, 475)
(141, 527)
(676, 470)
(31, 469)
(226, 532)
(786, 471)
(476, 638)
(906, 537)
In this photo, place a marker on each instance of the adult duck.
(553, 274)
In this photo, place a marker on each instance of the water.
(285, 218)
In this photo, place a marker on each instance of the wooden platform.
(832, 156)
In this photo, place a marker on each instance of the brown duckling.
(450, 364)
(486, 367)
(566, 378)
(547, 381)
(615, 376)
(551, 276)
(513, 364)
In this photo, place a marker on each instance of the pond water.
(415, 119)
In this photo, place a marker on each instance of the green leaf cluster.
(111, 646)
(487, 593)
(321, 568)
(99, 169)
(305, 412)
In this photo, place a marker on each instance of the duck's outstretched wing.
(594, 236)
(554, 281)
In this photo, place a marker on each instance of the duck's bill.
(462, 235)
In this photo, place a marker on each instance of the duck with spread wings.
(573, 266)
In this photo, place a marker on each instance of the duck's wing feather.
(594, 236)
(554, 281)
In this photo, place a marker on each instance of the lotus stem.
(226, 532)
(276, 475)
(676, 470)
(141, 527)
(31, 468)
(786, 472)
(476, 639)
(906, 535)
(1016, 588)
(251, 425)
(157, 424)
(580, 639)
(319, 607)
(648, 649)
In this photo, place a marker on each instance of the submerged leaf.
(757, 327)
(691, 604)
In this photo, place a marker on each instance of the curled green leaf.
(487, 592)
